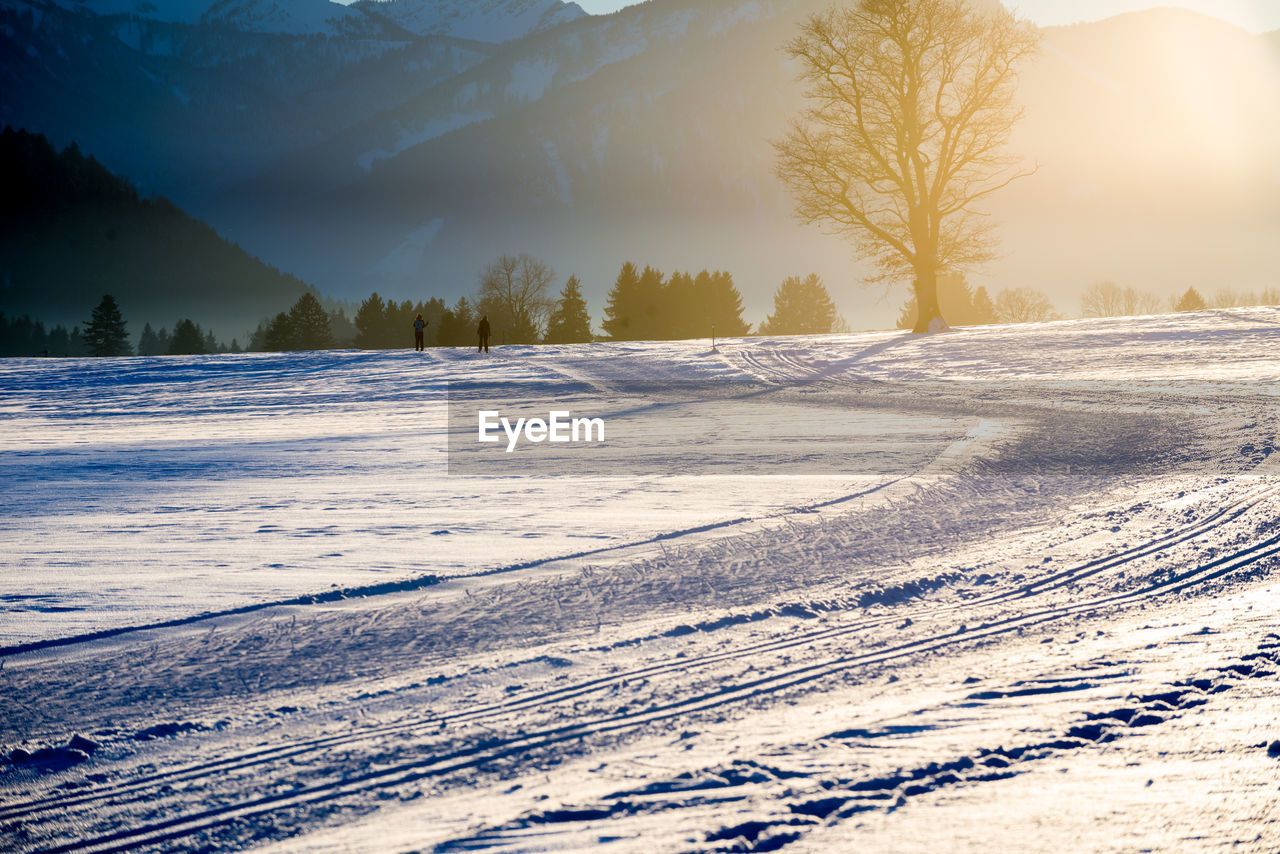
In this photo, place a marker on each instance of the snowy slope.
(292, 17)
(492, 21)
(1052, 628)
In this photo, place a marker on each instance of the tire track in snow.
(494, 749)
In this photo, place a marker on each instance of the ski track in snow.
(1073, 579)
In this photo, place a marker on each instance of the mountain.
(191, 96)
(492, 21)
(406, 160)
(645, 135)
(70, 231)
(293, 17)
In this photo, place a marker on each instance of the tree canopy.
(569, 322)
(909, 105)
(106, 334)
(801, 307)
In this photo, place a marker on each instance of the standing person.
(419, 332)
(483, 332)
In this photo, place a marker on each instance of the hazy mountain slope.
(185, 109)
(646, 136)
(275, 17)
(71, 232)
(483, 20)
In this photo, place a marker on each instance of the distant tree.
(513, 294)
(622, 311)
(682, 310)
(457, 325)
(149, 342)
(235, 347)
(370, 322)
(1190, 301)
(910, 104)
(187, 340)
(274, 335)
(1102, 299)
(309, 325)
(1108, 299)
(105, 334)
(397, 323)
(722, 305)
(984, 310)
(1023, 305)
(569, 322)
(956, 302)
(801, 307)
(341, 327)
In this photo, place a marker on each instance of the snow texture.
(1055, 629)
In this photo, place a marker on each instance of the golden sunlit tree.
(909, 105)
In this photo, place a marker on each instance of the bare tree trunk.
(927, 309)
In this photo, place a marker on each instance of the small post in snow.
(713, 338)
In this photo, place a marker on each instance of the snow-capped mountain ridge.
(492, 21)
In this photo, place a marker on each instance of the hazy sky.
(1254, 15)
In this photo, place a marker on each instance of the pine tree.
(277, 336)
(723, 305)
(105, 334)
(149, 342)
(186, 340)
(650, 293)
(984, 310)
(681, 313)
(801, 307)
(309, 325)
(569, 322)
(1190, 301)
(622, 312)
(397, 325)
(370, 320)
(457, 325)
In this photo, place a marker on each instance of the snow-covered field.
(1004, 588)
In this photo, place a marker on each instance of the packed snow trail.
(1112, 483)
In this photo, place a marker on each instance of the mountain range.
(401, 145)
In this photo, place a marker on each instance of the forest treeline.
(70, 231)
(72, 234)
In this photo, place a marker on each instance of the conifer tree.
(105, 334)
(277, 336)
(801, 307)
(369, 323)
(984, 310)
(723, 305)
(569, 322)
(186, 340)
(149, 342)
(309, 325)
(1190, 301)
(457, 325)
(681, 315)
(622, 312)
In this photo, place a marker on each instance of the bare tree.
(513, 295)
(1102, 299)
(1024, 305)
(911, 102)
(1107, 299)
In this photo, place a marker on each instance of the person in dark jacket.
(483, 332)
(419, 332)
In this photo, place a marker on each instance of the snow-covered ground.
(1004, 588)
